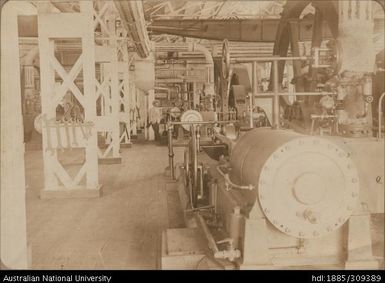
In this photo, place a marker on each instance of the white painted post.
(79, 25)
(88, 40)
(109, 121)
(13, 248)
(150, 99)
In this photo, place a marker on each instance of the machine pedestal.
(186, 248)
(360, 255)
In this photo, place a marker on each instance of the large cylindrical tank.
(306, 186)
(145, 73)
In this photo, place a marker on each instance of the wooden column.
(13, 248)
(56, 136)
(133, 109)
(124, 90)
(150, 100)
(108, 122)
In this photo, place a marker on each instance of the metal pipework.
(270, 59)
(367, 94)
(211, 242)
(210, 68)
(132, 15)
(230, 253)
(276, 96)
(170, 152)
(202, 122)
(276, 93)
(251, 124)
(379, 135)
(188, 47)
(295, 93)
(254, 90)
(230, 185)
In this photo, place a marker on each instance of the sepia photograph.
(192, 135)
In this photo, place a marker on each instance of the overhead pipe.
(194, 47)
(132, 15)
(209, 86)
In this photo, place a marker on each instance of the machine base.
(186, 249)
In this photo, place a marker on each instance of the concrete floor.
(120, 230)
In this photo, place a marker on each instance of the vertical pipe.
(379, 115)
(276, 95)
(250, 110)
(194, 161)
(254, 86)
(170, 152)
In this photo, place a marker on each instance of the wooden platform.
(182, 248)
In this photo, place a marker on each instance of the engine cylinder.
(307, 186)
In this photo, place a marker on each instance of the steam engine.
(272, 195)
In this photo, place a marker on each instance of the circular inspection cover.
(308, 187)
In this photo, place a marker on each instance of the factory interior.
(193, 135)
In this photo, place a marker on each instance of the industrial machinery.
(299, 191)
